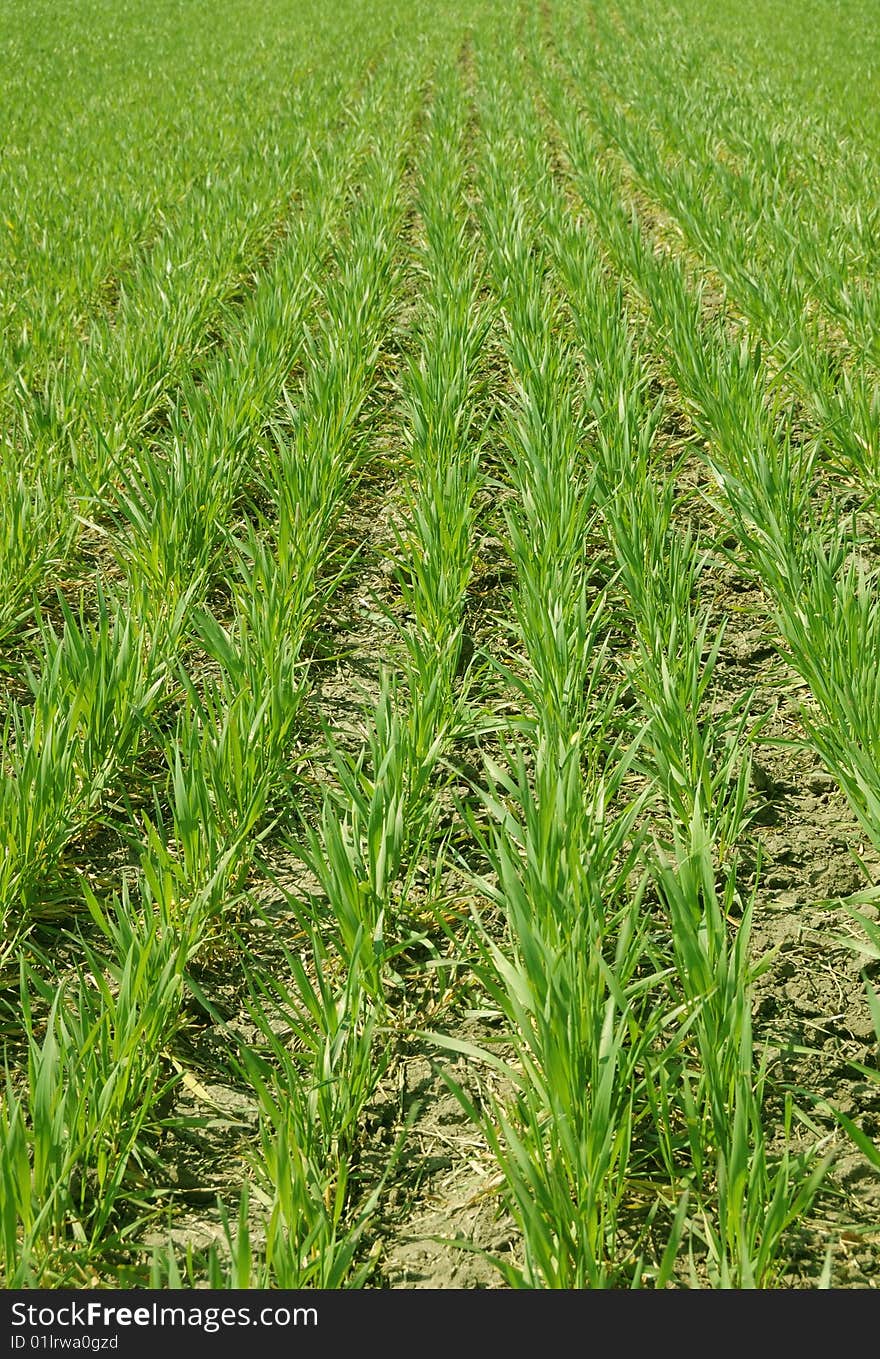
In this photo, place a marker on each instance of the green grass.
(388, 400)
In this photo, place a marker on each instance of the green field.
(440, 643)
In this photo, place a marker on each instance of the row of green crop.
(635, 1073)
(823, 590)
(216, 459)
(378, 817)
(95, 1095)
(752, 145)
(150, 362)
(175, 723)
(100, 681)
(804, 202)
(780, 259)
(123, 131)
(817, 66)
